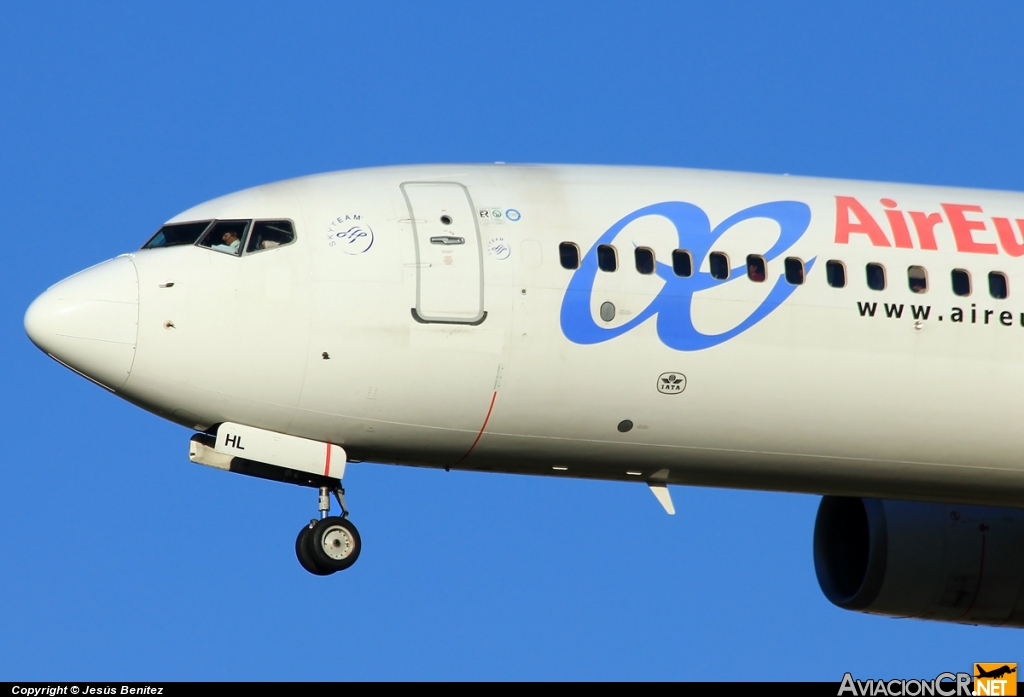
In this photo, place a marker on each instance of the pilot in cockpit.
(230, 242)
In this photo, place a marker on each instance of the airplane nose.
(89, 321)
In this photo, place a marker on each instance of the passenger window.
(918, 279)
(876, 276)
(756, 271)
(719, 266)
(569, 255)
(267, 234)
(176, 234)
(836, 273)
(606, 257)
(997, 285)
(961, 282)
(682, 263)
(644, 260)
(794, 271)
(226, 236)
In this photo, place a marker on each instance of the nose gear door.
(449, 256)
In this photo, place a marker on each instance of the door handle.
(447, 239)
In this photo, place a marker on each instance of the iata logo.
(995, 679)
(671, 383)
(673, 304)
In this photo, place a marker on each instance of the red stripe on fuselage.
(486, 419)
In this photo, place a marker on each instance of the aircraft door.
(449, 256)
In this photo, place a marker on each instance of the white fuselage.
(379, 330)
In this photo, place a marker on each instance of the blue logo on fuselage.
(673, 304)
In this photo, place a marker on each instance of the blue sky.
(121, 560)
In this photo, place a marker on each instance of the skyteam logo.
(673, 304)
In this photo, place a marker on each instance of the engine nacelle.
(927, 560)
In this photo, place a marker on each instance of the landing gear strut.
(331, 543)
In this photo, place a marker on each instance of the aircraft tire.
(304, 551)
(335, 543)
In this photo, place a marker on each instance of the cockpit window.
(226, 236)
(177, 233)
(267, 234)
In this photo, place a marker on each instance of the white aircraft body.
(864, 341)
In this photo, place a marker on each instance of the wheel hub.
(337, 543)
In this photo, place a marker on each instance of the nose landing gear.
(330, 544)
